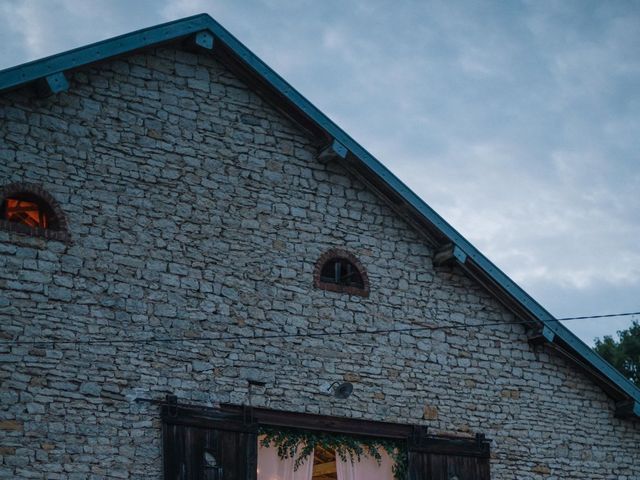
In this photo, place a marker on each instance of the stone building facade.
(196, 209)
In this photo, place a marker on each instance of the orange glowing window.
(28, 210)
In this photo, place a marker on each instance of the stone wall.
(195, 211)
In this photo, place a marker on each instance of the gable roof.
(203, 32)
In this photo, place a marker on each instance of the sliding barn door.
(437, 458)
(196, 447)
(431, 466)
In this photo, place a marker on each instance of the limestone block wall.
(197, 211)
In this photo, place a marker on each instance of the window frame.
(60, 232)
(341, 254)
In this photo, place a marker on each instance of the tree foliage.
(623, 354)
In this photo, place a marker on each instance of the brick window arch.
(340, 271)
(29, 209)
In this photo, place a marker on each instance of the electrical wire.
(339, 333)
(627, 314)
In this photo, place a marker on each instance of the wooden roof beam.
(542, 336)
(627, 409)
(333, 152)
(52, 84)
(324, 468)
(449, 253)
(201, 41)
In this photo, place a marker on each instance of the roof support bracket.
(448, 254)
(627, 408)
(52, 84)
(544, 335)
(333, 152)
(203, 40)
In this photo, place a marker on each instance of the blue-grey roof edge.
(105, 49)
(35, 70)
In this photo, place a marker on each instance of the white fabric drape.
(272, 467)
(365, 469)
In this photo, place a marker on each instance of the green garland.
(346, 446)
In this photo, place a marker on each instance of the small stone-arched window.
(340, 271)
(29, 209)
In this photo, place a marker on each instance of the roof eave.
(20, 75)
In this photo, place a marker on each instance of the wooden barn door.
(197, 447)
(437, 458)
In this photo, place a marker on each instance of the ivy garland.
(345, 446)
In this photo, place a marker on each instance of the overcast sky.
(518, 121)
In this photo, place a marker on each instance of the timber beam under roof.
(335, 151)
(203, 40)
(449, 253)
(541, 336)
(52, 84)
(627, 409)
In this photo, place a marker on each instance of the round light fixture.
(342, 391)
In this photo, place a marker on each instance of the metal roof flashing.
(206, 33)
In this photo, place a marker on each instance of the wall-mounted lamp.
(342, 390)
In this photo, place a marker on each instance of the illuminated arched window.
(27, 208)
(340, 271)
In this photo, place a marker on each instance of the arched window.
(340, 271)
(27, 208)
